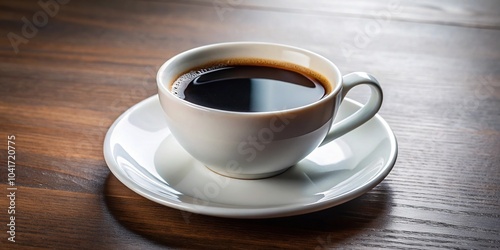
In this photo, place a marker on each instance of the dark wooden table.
(69, 68)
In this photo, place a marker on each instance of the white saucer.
(143, 155)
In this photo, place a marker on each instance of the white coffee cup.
(252, 145)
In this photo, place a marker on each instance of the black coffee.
(248, 88)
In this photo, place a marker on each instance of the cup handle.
(362, 115)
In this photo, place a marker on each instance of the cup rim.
(163, 86)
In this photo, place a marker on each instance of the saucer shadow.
(174, 228)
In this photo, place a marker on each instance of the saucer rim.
(250, 213)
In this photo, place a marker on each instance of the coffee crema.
(251, 86)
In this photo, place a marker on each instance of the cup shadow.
(174, 228)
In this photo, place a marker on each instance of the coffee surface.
(248, 88)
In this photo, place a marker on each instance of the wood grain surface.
(69, 68)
